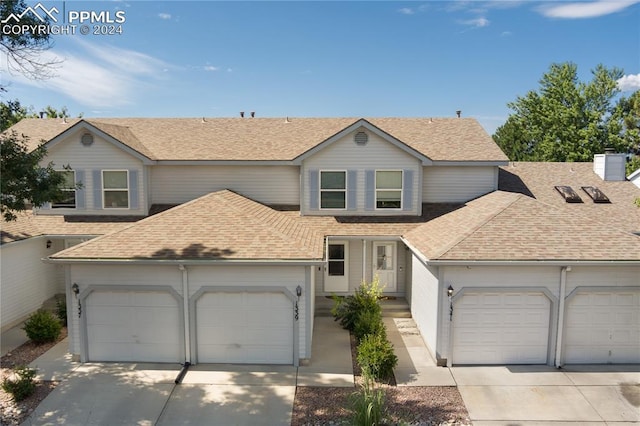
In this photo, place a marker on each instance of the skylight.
(569, 195)
(596, 195)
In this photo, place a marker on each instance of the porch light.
(450, 291)
(75, 288)
(49, 243)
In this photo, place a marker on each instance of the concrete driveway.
(535, 395)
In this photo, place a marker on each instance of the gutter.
(176, 262)
(534, 262)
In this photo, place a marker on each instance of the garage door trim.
(553, 301)
(242, 289)
(84, 294)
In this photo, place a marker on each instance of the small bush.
(42, 327)
(23, 386)
(346, 310)
(61, 311)
(376, 357)
(368, 405)
(369, 322)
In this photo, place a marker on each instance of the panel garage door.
(244, 328)
(141, 326)
(501, 328)
(603, 327)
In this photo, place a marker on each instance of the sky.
(321, 58)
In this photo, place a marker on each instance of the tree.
(24, 48)
(568, 120)
(10, 113)
(24, 181)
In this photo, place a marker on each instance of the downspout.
(364, 260)
(561, 298)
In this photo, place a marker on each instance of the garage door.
(245, 328)
(501, 328)
(603, 327)
(133, 326)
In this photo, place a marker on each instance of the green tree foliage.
(24, 181)
(568, 120)
(10, 113)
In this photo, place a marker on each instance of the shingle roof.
(539, 179)
(220, 225)
(274, 139)
(509, 226)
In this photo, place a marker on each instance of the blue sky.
(327, 58)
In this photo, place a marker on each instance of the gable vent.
(361, 138)
(596, 195)
(569, 195)
(86, 139)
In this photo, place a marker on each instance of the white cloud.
(99, 75)
(165, 16)
(406, 11)
(629, 83)
(211, 68)
(476, 23)
(582, 10)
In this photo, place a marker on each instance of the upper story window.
(388, 189)
(115, 189)
(333, 190)
(69, 191)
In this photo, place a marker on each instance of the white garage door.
(603, 327)
(245, 328)
(133, 326)
(501, 328)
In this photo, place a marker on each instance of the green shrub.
(369, 322)
(42, 326)
(346, 310)
(376, 357)
(368, 404)
(23, 386)
(61, 311)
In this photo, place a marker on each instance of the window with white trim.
(333, 189)
(388, 189)
(68, 189)
(115, 189)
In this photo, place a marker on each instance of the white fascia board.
(471, 163)
(88, 126)
(567, 262)
(225, 163)
(373, 129)
(200, 262)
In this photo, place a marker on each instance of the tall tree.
(24, 49)
(566, 119)
(10, 113)
(24, 181)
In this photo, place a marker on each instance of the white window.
(115, 189)
(388, 189)
(333, 189)
(69, 191)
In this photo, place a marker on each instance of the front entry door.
(336, 274)
(384, 264)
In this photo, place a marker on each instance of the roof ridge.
(489, 218)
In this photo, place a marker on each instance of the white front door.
(336, 274)
(384, 264)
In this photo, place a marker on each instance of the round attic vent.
(87, 139)
(361, 138)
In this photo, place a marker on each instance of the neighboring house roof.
(273, 139)
(28, 225)
(514, 227)
(539, 180)
(220, 225)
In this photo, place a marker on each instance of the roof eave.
(254, 262)
(533, 262)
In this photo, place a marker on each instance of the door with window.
(384, 264)
(336, 275)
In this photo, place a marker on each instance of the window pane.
(332, 200)
(336, 267)
(69, 179)
(114, 180)
(388, 199)
(116, 199)
(333, 180)
(69, 201)
(388, 180)
(336, 251)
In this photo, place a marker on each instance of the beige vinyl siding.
(424, 302)
(101, 155)
(456, 184)
(27, 281)
(265, 184)
(377, 154)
